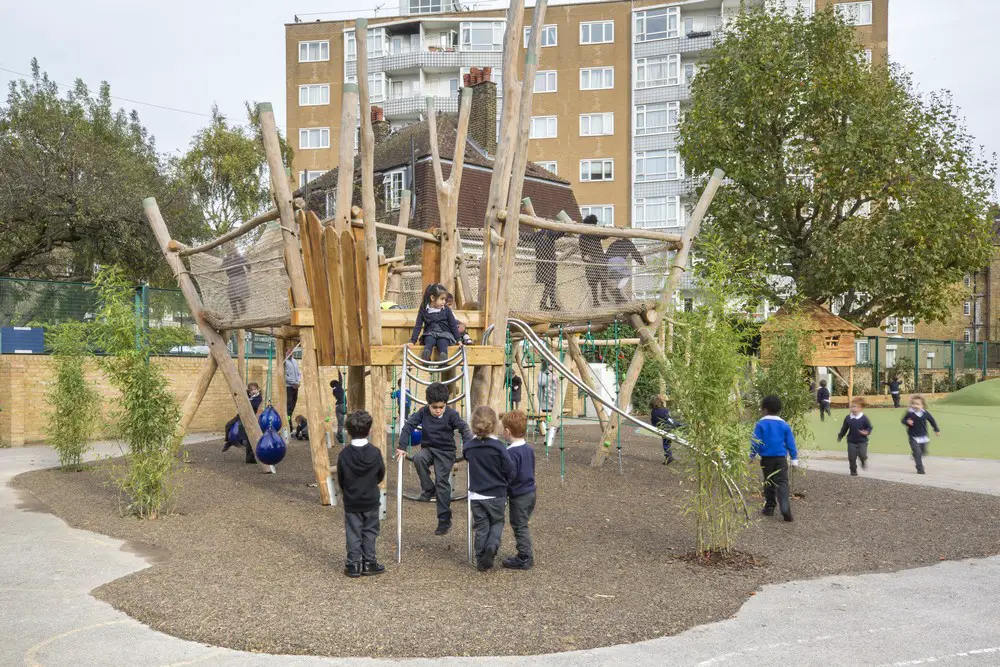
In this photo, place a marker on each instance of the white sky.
(189, 54)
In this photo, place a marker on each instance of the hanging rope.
(270, 368)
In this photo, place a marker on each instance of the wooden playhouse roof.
(812, 317)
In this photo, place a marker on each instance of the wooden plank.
(319, 289)
(303, 317)
(352, 313)
(430, 263)
(335, 283)
(361, 285)
(400, 317)
(478, 355)
(605, 232)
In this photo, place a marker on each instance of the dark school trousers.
(855, 451)
(487, 522)
(919, 450)
(442, 461)
(441, 343)
(521, 508)
(776, 483)
(361, 529)
(341, 410)
(291, 397)
(824, 408)
(895, 399)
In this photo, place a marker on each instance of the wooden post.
(379, 378)
(216, 344)
(664, 305)
(395, 284)
(587, 376)
(345, 163)
(278, 397)
(241, 353)
(300, 296)
(194, 398)
(850, 385)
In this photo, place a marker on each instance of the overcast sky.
(188, 54)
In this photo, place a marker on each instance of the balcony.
(683, 187)
(697, 43)
(678, 93)
(654, 142)
(429, 60)
(416, 105)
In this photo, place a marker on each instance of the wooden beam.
(241, 353)
(300, 295)
(385, 227)
(232, 234)
(194, 398)
(345, 163)
(603, 232)
(278, 397)
(587, 375)
(478, 355)
(447, 190)
(217, 347)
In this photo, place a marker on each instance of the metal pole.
(399, 470)
(951, 373)
(916, 365)
(468, 418)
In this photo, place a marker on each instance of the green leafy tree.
(74, 402)
(145, 418)
(75, 171)
(227, 169)
(843, 178)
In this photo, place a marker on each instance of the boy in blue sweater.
(522, 488)
(437, 448)
(773, 441)
(916, 420)
(490, 475)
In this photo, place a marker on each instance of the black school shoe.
(864, 464)
(788, 517)
(426, 496)
(370, 568)
(518, 562)
(768, 511)
(486, 560)
(353, 570)
(442, 529)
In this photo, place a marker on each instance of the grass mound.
(982, 394)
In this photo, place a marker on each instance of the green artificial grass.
(967, 431)
(979, 394)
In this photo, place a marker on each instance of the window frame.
(858, 345)
(429, 3)
(544, 164)
(909, 325)
(639, 34)
(321, 42)
(304, 179)
(392, 195)
(852, 13)
(587, 209)
(308, 87)
(604, 161)
(320, 130)
(591, 24)
(892, 324)
(555, 81)
(554, 120)
(607, 119)
(671, 60)
(604, 70)
(545, 28)
(499, 28)
(668, 156)
(645, 203)
(643, 109)
(967, 308)
(967, 336)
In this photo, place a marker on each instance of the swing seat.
(415, 497)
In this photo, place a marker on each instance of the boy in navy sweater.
(437, 448)
(659, 417)
(857, 428)
(773, 441)
(360, 469)
(522, 488)
(823, 399)
(916, 420)
(490, 476)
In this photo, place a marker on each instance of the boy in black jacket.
(823, 399)
(490, 475)
(360, 469)
(857, 427)
(437, 448)
(522, 488)
(916, 420)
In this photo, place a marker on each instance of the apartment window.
(314, 137)
(312, 52)
(967, 308)
(892, 325)
(862, 351)
(542, 127)
(551, 166)
(393, 183)
(545, 82)
(314, 94)
(690, 71)
(855, 13)
(424, 6)
(376, 43)
(658, 71)
(376, 86)
(866, 57)
(549, 34)
(688, 305)
(308, 176)
(597, 78)
(967, 280)
(657, 118)
(657, 166)
(909, 325)
(597, 124)
(657, 212)
(967, 336)
(482, 36)
(597, 170)
(662, 23)
(605, 213)
(808, 7)
(597, 32)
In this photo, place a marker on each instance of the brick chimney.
(483, 114)
(380, 126)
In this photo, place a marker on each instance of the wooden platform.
(478, 355)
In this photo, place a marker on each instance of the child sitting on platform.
(436, 324)
(522, 488)
(490, 475)
(437, 447)
(360, 469)
(253, 393)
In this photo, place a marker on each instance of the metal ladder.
(412, 361)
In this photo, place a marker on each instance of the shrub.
(74, 402)
(144, 420)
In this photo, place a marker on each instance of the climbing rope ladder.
(412, 362)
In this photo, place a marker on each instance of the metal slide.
(411, 361)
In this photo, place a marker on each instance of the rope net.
(244, 287)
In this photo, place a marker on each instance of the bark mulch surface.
(252, 562)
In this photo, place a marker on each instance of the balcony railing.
(417, 104)
(429, 60)
(696, 43)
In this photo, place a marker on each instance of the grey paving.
(947, 613)
(973, 475)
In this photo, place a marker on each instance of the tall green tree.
(227, 169)
(75, 171)
(843, 177)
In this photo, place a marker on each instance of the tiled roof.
(813, 317)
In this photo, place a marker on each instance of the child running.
(437, 448)
(823, 399)
(490, 474)
(857, 428)
(659, 416)
(360, 469)
(916, 420)
(522, 488)
(436, 323)
(773, 441)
